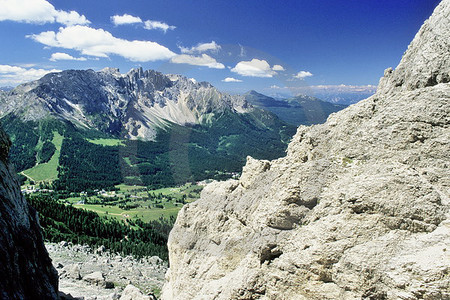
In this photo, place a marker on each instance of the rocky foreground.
(90, 274)
(358, 209)
(26, 271)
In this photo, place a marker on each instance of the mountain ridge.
(299, 110)
(190, 131)
(134, 104)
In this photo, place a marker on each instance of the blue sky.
(271, 46)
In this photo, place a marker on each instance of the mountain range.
(84, 129)
(132, 105)
(299, 110)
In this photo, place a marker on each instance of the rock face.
(359, 207)
(26, 270)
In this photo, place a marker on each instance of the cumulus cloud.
(150, 25)
(203, 60)
(254, 68)
(13, 75)
(64, 56)
(101, 43)
(38, 12)
(303, 74)
(278, 68)
(125, 19)
(231, 79)
(202, 47)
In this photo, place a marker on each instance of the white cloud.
(202, 47)
(254, 68)
(125, 19)
(275, 87)
(13, 75)
(70, 18)
(38, 12)
(101, 43)
(278, 68)
(64, 56)
(242, 52)
(149, 25)
(231, 79)
(303, 74)
(203, 60)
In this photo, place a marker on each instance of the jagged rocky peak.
(25, 267)
(147, 81)
(427, 60)
(134, 104)
(111, 71)
(358, 209)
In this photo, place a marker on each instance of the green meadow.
(47, 171)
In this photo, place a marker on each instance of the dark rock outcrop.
(26, 271)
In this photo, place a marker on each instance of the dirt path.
(22, 173)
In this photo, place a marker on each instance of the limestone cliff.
(26, 271)
(359, 207)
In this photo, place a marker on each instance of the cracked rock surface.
(358, 208)
(26, 271)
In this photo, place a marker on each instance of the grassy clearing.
(128, 161)
(145, 214)
(227, 142)
(47, 171)
(106, 142)
(127, 188)
(151, 205)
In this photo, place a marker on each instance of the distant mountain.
(300, 110)
(132, 105)
(6, 88)
(85, 129)
(338, 94)
(345, 98)
(261, 100)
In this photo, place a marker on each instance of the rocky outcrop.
(26, 270)
(426, 62)
(358, 209)
(132, 293)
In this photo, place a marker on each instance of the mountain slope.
(160, 130)
(358, 209)
(300, 110)
(132, 105)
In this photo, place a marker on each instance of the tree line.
(61, 222)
